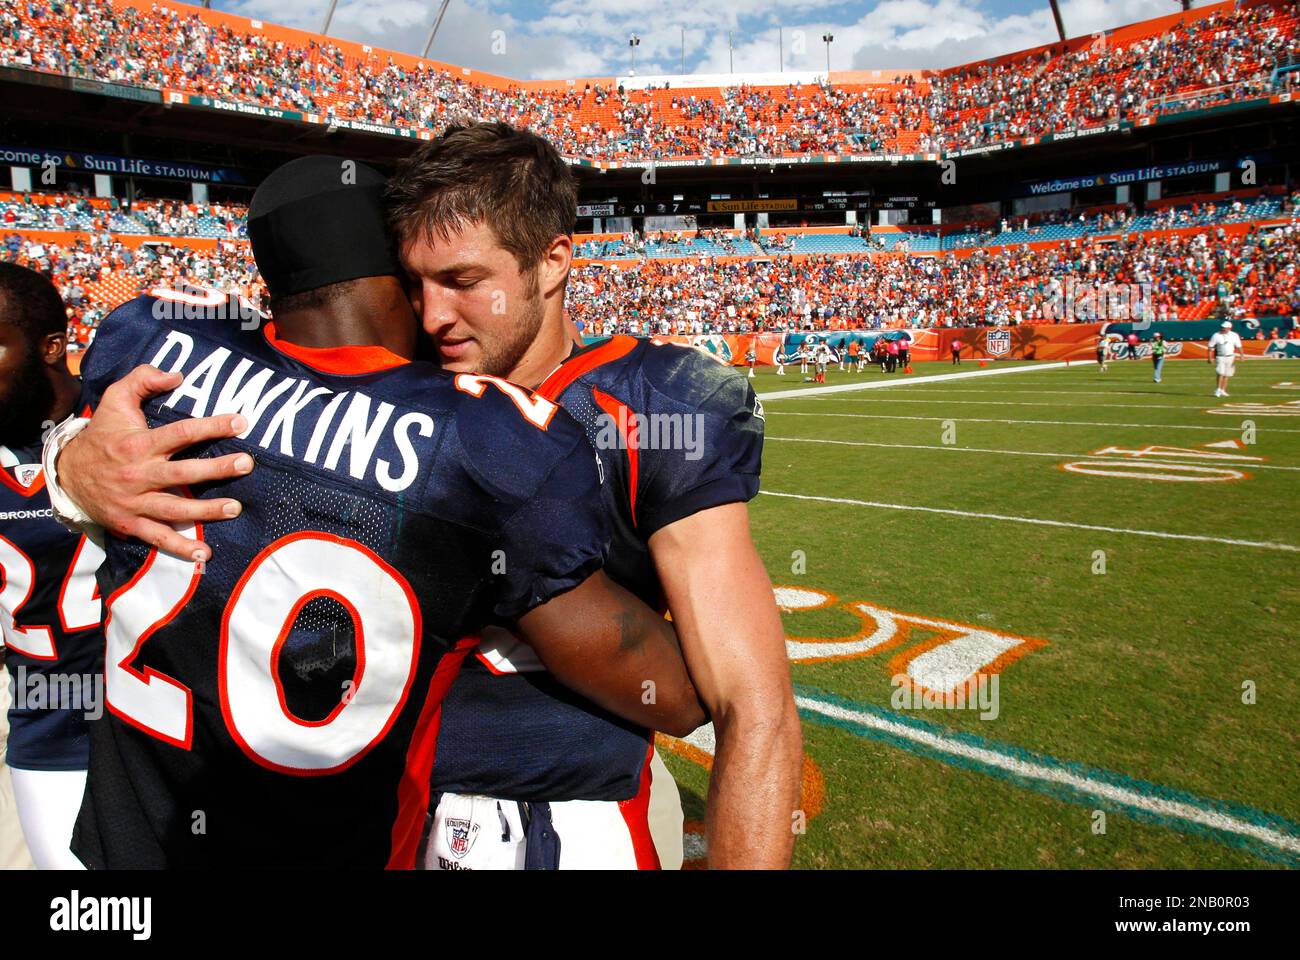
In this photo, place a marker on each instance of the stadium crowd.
(1224, 56)
(1187, 276)
(1181, 276)
(1035, 95)
(71, 211)
(95, 275)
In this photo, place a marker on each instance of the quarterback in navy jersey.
(278, 704)
(679, 433)
(481, 212)
(50, 615)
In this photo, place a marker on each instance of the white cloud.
(573, 38)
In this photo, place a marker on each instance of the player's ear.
(555, 265)
(54, 347)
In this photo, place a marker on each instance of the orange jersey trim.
(345, 360)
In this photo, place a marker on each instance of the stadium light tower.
(436, 24)
(1056, 15)
(633, 42)
(828, 38)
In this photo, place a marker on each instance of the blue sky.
(530, 39)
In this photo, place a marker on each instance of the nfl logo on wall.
(998, 343)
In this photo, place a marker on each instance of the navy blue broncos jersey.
(678, 433)
(50, 615)
(280, 706)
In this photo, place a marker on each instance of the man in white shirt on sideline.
(1224, 347)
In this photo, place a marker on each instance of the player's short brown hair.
(511, 179)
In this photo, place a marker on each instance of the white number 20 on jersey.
(257, 620)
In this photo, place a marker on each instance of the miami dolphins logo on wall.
(714, 345)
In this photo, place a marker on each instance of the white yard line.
(1008, 391)
(1166, 461)
(905, 380)
(1036, 521)
(1021, 403)
(1030, 769)
(1054, 423)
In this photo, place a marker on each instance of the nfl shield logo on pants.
(998, 342)
(461, 835)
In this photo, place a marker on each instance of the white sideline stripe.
(1170, 459)
(1160, 534)
(1031, 770)
(1023, 403)
(903, 381)
(1055, 423)
(1008, 392)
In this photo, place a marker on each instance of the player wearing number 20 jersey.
(395, 509)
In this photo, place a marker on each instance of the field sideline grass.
(1141, 677)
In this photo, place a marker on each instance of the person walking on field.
(1102, 344)
(1158, 355)
(956, 351)
(1224, 349)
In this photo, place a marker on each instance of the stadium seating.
(1139, 71)
(144, 218)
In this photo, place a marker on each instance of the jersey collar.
(345, 360)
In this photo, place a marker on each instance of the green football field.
(1113, 564)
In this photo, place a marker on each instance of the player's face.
(26, 393)
(480, 310)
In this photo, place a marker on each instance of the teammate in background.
(904, 354)
(1133, 341)
(822, 355)
(379, 481)
(52, 642)
(1157, 355)
(751, 357)
(1103, 347)
(672, 505)
(14, 854)
(891, 356)
(956, 350)
(1223, 350)
(854, 349)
